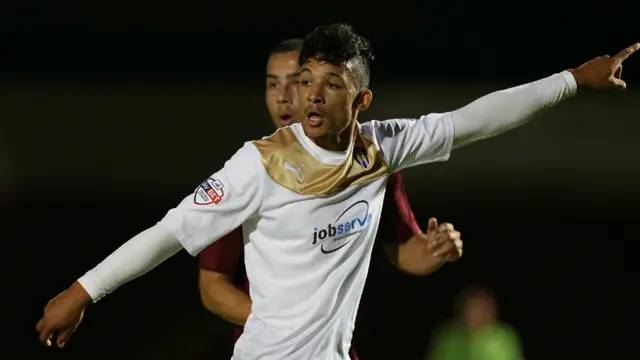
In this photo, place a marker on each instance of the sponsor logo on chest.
(347, 226)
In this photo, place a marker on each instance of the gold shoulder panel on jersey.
(289, 165)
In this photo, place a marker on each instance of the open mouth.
(286, 119)
(315, 118)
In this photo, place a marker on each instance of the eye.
(305, 82)
(333, 86)
(272, 85)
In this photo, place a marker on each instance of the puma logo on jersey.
(295, 170)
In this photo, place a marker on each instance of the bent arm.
(220, 296)
(506, 109)
(133, 259)
(410, 257)
(398, 224)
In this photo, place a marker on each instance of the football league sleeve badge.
(211, 191)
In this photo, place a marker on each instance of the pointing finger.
(626, 52)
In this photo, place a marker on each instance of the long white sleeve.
(503, 110)
(220, 204)
(135, 258)
(411, 142)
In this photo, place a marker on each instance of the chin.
(314, 132)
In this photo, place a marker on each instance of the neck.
(340, 141)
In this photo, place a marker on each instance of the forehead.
(283, 63)
(321, 68)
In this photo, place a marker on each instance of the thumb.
(432, 225)
(618, 83)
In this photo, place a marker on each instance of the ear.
(363, 100)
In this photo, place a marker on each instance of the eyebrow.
(330, 73)
(289, 76)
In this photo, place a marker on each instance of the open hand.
(604, 71)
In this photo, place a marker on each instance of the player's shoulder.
(379, 130)
(370, 130)
(281, 147)
(385, 128)
(244, 166)
(246, 154)
(276, 142)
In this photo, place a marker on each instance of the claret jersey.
(309, 218)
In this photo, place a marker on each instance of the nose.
(316, 100)
(286, 94)
(283, 96)
(315, 97)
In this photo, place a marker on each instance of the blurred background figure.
(476, 333)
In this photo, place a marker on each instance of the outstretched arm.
(143, 252)
(133, 259)
(503, 110)
(220, 204)
(506, 109)
(430, 138)
(411, 142)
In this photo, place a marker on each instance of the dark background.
(111, 112)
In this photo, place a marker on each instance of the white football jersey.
(309, 218)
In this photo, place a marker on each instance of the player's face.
(327, 95)
(281, 92)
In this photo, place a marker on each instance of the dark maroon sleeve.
(398, 221)
(225, 255)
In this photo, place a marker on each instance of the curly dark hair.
(339, 45)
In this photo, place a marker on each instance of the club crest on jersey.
(361, 157)
(211, 191)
